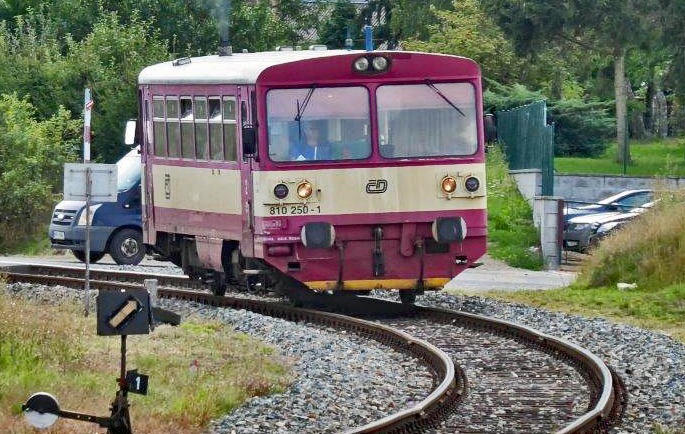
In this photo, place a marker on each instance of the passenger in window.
(278, 147)
(356, 142)
(313, 145)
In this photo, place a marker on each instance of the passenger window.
(173, 127)
(215, 130)
(159, 126)
(229, 108)
(187, 128)
(201, 135)
(230, 142)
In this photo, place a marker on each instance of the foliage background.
(50, 50)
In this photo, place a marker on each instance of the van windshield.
(128, 171)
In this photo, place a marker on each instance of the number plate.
(301, 209)
(572, 243)
(58, 235)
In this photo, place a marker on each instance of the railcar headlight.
(361, 64)
(448, 184)
(379, 63)
(472, 184)
(82, 218)
(281, 191)
(304, 189)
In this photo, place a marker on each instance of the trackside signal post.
(120, 313)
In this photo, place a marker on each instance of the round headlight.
(448, 184)
(361, 64)
(281, 191)
(304, 189)
(379, 63)
(472, 184)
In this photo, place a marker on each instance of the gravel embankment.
(337, 373)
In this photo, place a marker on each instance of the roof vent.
(225, 50)
(181, 61)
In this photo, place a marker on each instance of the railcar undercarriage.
(252, 275)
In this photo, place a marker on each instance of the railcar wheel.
(126, 247)
(218, 283)
(94, 256)
(407, 296)
(255, 284)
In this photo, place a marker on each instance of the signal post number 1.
(301, 209)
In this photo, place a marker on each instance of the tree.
(608, 27)
(412, 18)
(468, 31)
(343, 24)
(108, 61)
(32, 153)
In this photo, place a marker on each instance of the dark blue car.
(115, 227)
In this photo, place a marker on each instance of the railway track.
(517, 379)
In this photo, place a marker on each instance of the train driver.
(312, 146)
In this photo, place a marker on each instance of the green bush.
(511, 235)
(32, 154)
(582, 129)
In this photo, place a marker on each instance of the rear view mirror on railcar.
(249, 140)
(130, 134)
(489, 127)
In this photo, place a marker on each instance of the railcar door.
(148, 206)
(248, 118)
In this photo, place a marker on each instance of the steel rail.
(451, 381)
(606, 404)
(598, 371)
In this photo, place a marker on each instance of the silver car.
(580, 233)
(621, 202)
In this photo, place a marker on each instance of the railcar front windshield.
(318, 123)
(427, 120)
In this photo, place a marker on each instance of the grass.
(511, 235)
(661, 158)
(650, 252)
(661, 309)
(56, 349)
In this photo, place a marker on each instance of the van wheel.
(94, 256)
(126, 247)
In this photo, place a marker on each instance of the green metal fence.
(528, 141)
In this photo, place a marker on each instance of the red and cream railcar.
(343, 170)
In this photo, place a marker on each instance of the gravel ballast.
(343, 379)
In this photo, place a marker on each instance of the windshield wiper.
(305, 103)
(442, 95)
(301, 109)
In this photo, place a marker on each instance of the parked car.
(621, 202)
(586, 231)
(116, 227)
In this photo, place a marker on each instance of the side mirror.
(249, 140)
(489, 127)
(130, 134)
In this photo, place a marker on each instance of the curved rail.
(451, 381)
(607, 403)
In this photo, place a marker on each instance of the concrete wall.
(547, 217)
(583, 188)
(588, 188)
(591, 188)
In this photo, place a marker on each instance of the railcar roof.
(238, 68)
